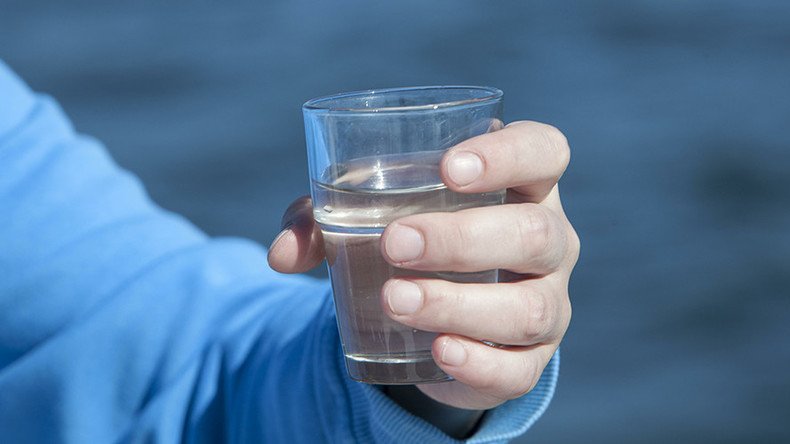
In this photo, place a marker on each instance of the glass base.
(414, 368)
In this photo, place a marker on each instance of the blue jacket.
(122, 322)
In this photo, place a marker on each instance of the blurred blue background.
(677, 113)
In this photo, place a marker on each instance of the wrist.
(455, 422)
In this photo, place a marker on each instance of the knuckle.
(534, 320)
(574, 245)
(529, 375)
(539, 312)
(557, 142)
(567, 312)
(556, 138)
(296, 210)
(552, 135)
(534, 229)
(301, 202)
(533, 221)
(441, 302)
(461, 238)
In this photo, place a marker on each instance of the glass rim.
(323, 103)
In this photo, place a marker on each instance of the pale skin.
(529, 237)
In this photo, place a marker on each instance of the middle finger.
(523, 238)
(518, 313)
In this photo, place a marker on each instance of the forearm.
(118, 318)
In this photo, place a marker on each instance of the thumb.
(299, 247)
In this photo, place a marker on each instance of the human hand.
(529, 238)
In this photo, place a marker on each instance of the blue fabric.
(121, 322)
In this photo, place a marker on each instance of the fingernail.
(464, 167)
(403, 244)
(403, 297)
(453, 353)
(280, 236)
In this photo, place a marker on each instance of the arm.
(122, 322)
(119, 321)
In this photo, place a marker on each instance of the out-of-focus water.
(677, 112)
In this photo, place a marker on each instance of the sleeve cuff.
(376, 418)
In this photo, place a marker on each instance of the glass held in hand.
(374, 157)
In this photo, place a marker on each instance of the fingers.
(485, 376)
(299, 246)
(524, 238)
(520, 313)
(528, 157)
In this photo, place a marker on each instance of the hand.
(529, 237)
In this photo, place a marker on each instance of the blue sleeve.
(121, 322)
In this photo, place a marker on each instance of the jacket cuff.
(377, 418)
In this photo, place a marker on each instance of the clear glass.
(374, 157)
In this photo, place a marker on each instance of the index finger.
(528, 157)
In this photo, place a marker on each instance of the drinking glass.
(373, 158)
